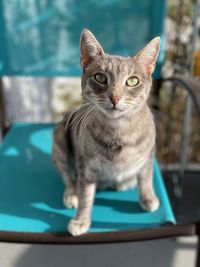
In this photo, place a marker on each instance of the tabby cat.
(109, 141)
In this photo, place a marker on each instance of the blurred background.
(39, 60)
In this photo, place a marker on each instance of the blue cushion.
(31, 190)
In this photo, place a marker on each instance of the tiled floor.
(161, 253)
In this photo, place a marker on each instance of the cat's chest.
(114, 171)
(117, 160)
(116, 155)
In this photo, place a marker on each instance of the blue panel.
(31, 190)
(41, 38)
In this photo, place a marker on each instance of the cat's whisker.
(87, 120)
(81, 120)
(90, 119)
(100, 101)
(77, 116)
(85, 104)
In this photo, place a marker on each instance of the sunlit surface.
(31, 190)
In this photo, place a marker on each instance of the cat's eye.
(100, 78)
(132, 81)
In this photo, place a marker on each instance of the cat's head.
(116, 85)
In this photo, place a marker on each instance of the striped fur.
(106, 145)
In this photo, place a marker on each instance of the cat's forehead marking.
(118, 65)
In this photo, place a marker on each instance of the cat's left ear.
(148, 55)
(90, 48)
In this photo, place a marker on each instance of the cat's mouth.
(114, 109)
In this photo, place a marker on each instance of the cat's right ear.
(90, 48)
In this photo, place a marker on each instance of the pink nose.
(114, 99)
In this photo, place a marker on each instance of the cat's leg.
(60, 158)
(70, 198)
(82, 221)
(148, 199)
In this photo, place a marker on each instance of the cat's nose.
(114, 99)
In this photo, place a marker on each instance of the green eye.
(132, 81)
(100, 78)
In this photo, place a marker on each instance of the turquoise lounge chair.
(41, 38)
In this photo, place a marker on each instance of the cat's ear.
(148, 55)
(90, 48)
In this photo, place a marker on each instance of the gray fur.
(102, 145)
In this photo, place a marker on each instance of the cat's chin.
(114, 113)
(110, 113)
(117, 114)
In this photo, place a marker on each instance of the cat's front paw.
(78, 227)
(70, 201)
(150, 203)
